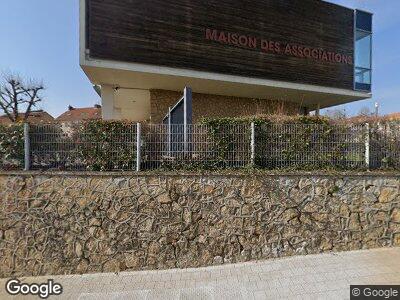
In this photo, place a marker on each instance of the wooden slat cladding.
(173, 33)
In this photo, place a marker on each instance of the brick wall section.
(206, 105)
(62, 224)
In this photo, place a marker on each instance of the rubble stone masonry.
(80, 223)
(215, 106)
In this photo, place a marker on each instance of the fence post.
(187, 115)
(27, 156)
(138, 146)
(169, 131)
(253, 144)
(367, 137)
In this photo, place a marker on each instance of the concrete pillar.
(317, 110)
(132, 104)
(108, 102)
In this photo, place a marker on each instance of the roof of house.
(35, 117)
(79, 114)
(364, 119)
(393, 116)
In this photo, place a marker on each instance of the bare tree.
(18, 97)
(336, 114)
(365, 111)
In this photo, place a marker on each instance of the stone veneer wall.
(207, 105)
(78, 223)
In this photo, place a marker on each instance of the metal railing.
(165, 146)
(384, 141)
(314, 146)
(72, 146)
(114, 146)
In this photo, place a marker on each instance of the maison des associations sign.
(275, 47)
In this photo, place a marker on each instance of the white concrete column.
(317, 111)
(132, 104)
(125, 103)
(108, 102)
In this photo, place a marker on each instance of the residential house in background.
(393, 116)
(35, 117)
(80, 114)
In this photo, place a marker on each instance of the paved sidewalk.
(323, 276)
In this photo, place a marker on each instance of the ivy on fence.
(302, 142)
(279, 143)
(107, 145)
(92, 145)
(11, 146)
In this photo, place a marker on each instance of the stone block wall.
(215, 106)
(79, 223)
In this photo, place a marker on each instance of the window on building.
(363, 51)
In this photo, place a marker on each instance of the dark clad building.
(249, 57)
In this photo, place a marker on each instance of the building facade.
(239, 57)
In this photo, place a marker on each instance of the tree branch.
(15, 93)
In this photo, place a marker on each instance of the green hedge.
(267, 119)
(298, 142)
(107, 145)
(11, 146)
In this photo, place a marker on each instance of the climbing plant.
(11, 146)
(107, 145)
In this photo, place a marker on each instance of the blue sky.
(40, 40)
